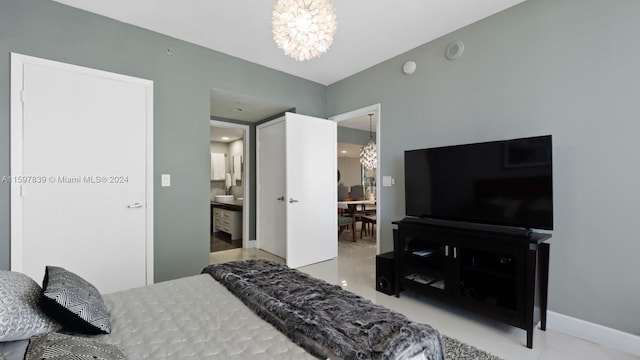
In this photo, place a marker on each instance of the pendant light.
(304, 29)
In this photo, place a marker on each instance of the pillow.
(55, 346)
(20, 313)
(74, 302)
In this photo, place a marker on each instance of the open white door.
(311, 190)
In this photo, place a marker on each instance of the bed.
(254, 309)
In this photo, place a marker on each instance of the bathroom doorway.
(229, 185)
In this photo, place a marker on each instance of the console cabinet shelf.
(501, 276)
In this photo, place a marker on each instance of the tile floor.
(355, 271)
(222, 241)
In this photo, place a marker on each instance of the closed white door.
(296, 189)
(311, 190)
(84, 141)
(271, 189)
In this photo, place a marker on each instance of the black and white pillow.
(74, 302)
(20, 313)
(55, 346)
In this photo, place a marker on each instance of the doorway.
(229, 185)
(354, 129)
(230, 110)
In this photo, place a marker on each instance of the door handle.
(292, 200)
(134, 205)
(281, 198)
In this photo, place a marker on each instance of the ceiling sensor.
(454, 50)
(169, 50)
(409, 67)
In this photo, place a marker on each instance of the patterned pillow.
(20, 313)
(55, 346)
(74, 301)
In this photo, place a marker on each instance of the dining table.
(352, 206)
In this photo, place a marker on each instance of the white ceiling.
(369, 32)
(349, 150)
(226, 134)
(226, 105)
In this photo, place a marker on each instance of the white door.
(311, 190)
(271, 229)
(296, 189)
(85, 139)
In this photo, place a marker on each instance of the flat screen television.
(506, 183)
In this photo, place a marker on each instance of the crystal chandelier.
(304, 29)
(368, 156)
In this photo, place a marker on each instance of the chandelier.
(368, 156)
(304, 29)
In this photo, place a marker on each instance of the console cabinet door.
(426, 261)
(490, 274)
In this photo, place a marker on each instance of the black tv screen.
(506, 183)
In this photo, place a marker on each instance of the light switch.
(166, 180)
(388, 181)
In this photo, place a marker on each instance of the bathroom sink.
(223, 198)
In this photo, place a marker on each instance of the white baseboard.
(598, 334)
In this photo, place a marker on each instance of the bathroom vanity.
(226, 216)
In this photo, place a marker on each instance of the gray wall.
(181, 110)
(350, 171)
(569, 68)
(353, 136)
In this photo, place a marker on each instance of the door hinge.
(23, 96)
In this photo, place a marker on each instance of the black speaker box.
(385, 273)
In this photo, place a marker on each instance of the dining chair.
(346, 221)
(357, 192)
(368, 224)
(343, 192)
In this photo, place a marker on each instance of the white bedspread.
(190, 318)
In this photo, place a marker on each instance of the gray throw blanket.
(326, 320)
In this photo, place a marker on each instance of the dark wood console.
(502, 276)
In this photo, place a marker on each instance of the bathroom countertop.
(234, 205)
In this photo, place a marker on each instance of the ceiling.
(226, 134)
(369, 32)
(349, 150)
(226, 105)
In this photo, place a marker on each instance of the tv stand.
(501, 275)
(499, 229)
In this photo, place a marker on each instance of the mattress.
(189, 318)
